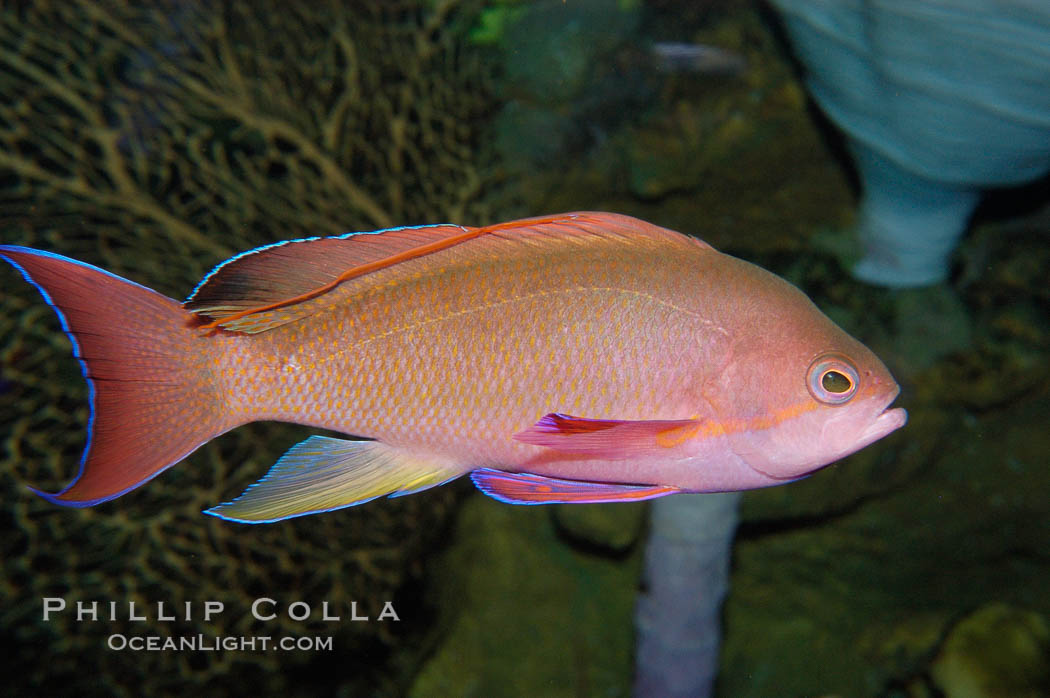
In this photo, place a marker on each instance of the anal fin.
(527, 488)
(322, 474)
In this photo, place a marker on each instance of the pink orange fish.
(583, 357)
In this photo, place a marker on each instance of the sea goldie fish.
(582, 357)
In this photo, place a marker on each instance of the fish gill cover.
(155, 139)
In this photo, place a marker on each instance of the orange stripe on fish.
(557, 430)
(761, 422)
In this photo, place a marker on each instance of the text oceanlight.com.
(206, 643)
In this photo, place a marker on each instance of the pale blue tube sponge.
(678, 615)
(939, 99)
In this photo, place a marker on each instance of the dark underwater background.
(157, 139)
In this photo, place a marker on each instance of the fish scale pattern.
(460, 353)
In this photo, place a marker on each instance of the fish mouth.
(889, 420)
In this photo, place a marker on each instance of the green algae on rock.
(998, 651)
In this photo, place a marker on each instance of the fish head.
(797, 392)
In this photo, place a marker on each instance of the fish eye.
(835, 382)
(832, 379)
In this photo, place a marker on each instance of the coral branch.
(214, 127)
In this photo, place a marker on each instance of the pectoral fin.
(526, 488)
(609, 438)
(321, 474)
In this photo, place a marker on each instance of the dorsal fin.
(261, 289)
(289, 272)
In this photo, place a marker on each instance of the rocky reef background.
(156, 142)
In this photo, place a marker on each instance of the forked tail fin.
(153, 401)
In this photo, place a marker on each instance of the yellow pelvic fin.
(322, 473)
